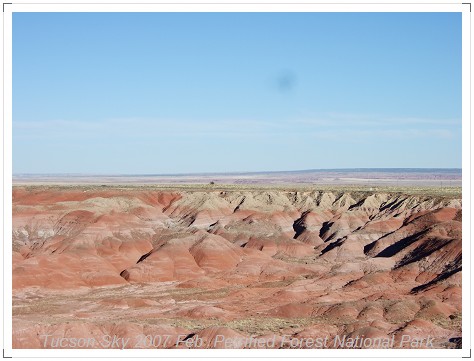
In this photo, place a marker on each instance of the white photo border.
(233, 6)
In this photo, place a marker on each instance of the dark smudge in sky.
(286, 81)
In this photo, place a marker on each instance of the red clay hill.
(95, 261)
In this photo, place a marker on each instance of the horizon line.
(86, 174)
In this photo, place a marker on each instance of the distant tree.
(212, 183)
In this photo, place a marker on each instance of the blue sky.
(136, 93)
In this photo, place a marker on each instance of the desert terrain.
(194, 266)
(366, 177)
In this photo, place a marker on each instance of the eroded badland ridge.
(92, 261)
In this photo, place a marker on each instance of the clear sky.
(136, 93)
